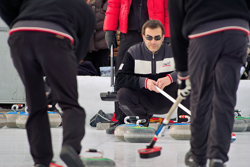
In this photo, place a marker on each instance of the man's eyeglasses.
(150, 38)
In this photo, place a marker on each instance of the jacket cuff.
(143, 82)
(183, 75)
(169, 76)
(173, 76)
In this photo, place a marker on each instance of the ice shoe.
(52, 164)
(216, 163)
(112, 128)
(70, 157)
(40, 165)
(190, 162)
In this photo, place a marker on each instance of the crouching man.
(146, 65)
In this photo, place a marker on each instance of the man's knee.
(123, 95)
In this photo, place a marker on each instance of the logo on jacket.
(121, 66)
(167, 64)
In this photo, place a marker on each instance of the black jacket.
(139, 63)
(185, 15)
(70, 14)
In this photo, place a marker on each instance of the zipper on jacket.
(153, 65)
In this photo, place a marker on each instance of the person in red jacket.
(129, 16)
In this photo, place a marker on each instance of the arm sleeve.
(126, 76)
(173, 76)
(178, 42)
(84, 33)
(9, 10)
(112, 15)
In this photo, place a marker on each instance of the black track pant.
(144, 103)
(214, 67)
(35, 54)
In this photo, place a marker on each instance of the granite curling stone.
(247, 120)
(239, 124)
(139, 134)
(97, 161)
(22, 119)
(12, 116)
(55, 119)
(120, 130)
(180, 131)
(3, 120)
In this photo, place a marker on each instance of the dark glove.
(184, 85)
(110, 37)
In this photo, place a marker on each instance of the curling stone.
(12, 116)
(239, 124)
(247, 120)
(180, 131)
(233, 138)
(22, 119)
(97, 161)
(55, 119)
(3, 120)
(119, 130)
(154, 125)
(139, 134)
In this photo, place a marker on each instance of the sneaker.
(190, 162)
(70, 157)
(40, 165)
(216, 163)
(112, 128)
(52, 164)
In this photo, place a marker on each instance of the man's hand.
(151, 85)
(184, 86)
(110, 37)
(163, 82)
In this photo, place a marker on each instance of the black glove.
(110, 37)
(184, 85)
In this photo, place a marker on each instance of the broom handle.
(112, 67)
(173, 100)
(166, 120)
(172, 109)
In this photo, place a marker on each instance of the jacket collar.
(148, 51)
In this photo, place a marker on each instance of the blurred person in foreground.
(50, 37)
(209, 43)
